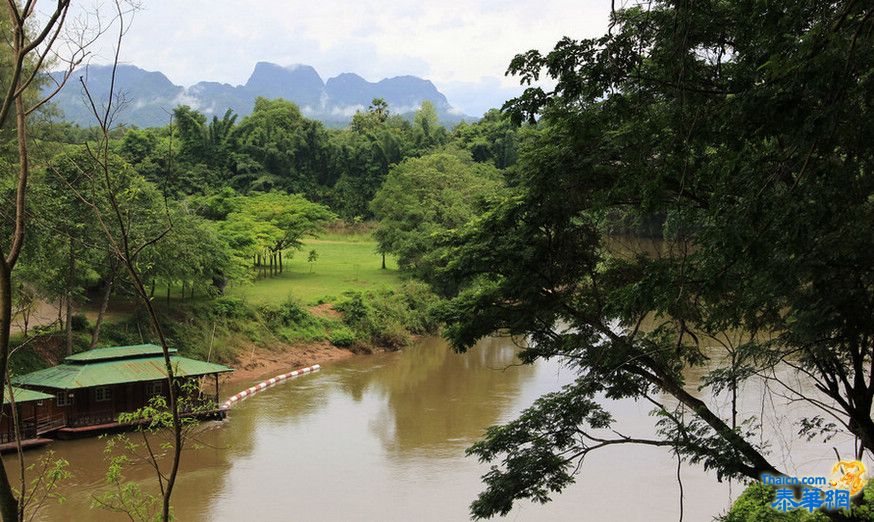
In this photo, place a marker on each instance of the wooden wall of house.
(125, 398)
(26, 412)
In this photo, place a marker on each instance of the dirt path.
(43, 313)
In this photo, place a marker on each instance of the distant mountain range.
(150, 96)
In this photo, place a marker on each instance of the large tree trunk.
(68, 327)
(104, 305)
(16, 84)
(9, 505)
(280, 261)
(8, 502)
(758, 463)
(383, 261)
(71, 274)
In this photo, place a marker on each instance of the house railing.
(27, 428)
(52, 423)
(92, 419)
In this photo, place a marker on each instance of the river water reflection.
(383, 437)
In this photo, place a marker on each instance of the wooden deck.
(68, 433)
(10, 447)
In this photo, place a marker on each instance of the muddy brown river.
(383, 437)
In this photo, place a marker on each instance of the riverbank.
(344, 303)
(258, 362)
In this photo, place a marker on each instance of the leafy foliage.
(425, 196)
(153, 421)
(540, 448)
(389, 318)
(744, 127)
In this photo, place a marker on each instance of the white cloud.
(477, 96)
(185, 98)
(346, 111)
(464, 47)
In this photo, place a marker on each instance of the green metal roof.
(116, 371)
(117, 352)
(22, 395)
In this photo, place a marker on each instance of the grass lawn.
(346, 262)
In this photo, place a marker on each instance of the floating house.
(32, 421)
(90, 389)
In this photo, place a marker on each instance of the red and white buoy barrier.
(265, 384)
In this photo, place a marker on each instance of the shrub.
(292, 322)
(292, 313)
(389, 318)
(343, 337)
(229, 308)
(79, 323)
(288, 314)
(393, 336)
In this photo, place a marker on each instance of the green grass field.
(345, 262)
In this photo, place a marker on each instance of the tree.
(121, 198)
(312, 257)
(375, 116)
(151, 152)
(425, 196)
(379, 108)
(192, 253)
(205, 148)
(289, 218)
(247, 238)
(747, 125)
(194, 142)
(276, 147)
(494, 138)
(29, 39)
(363, 155)
(257, 229)
(137, 145)
(68, 248)
(428, 134)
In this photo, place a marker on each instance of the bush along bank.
(386, 319)
(219, 329)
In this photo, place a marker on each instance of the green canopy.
(117, 365)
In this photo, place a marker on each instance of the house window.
(63, 399)
(104, 393)
(155, 388)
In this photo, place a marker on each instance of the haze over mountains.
(149, 97)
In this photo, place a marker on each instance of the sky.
(464, 47)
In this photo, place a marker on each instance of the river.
(382, 437)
